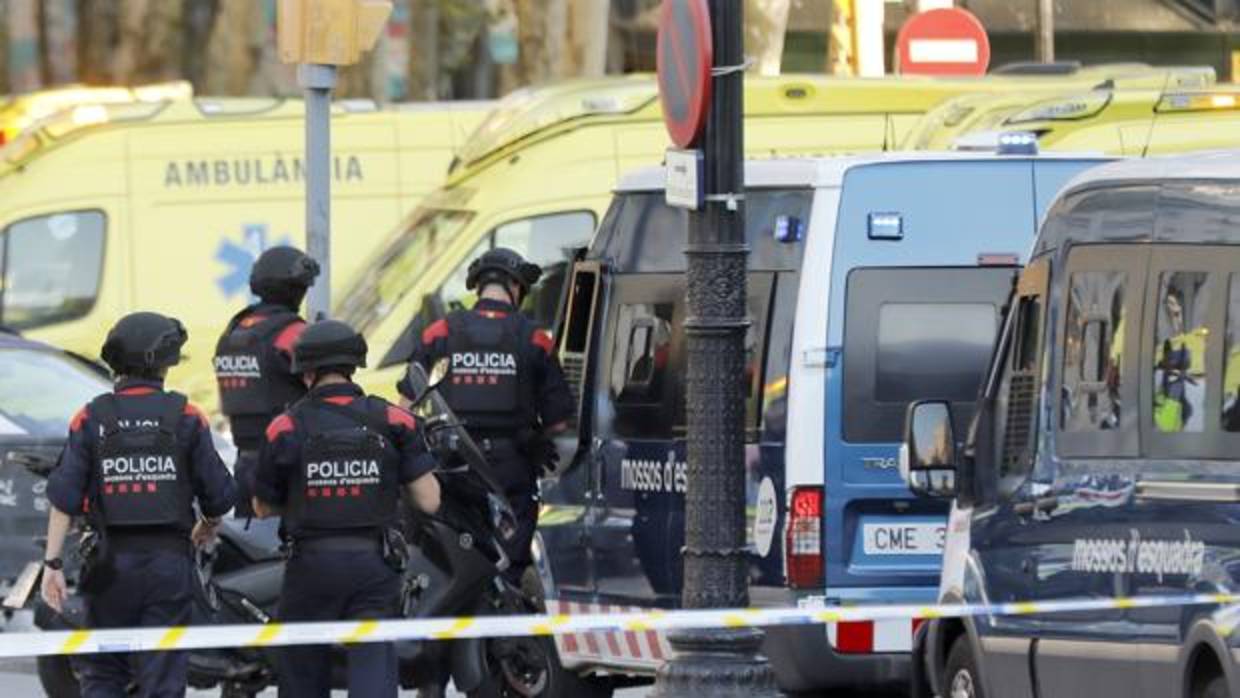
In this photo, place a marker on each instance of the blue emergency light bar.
(1018, 143)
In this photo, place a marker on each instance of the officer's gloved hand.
(546, 456)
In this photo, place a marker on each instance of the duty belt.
(367, 542)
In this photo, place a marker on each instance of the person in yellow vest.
(1179, 370)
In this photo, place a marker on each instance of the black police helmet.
(504, 263)
(143, 342)
(283, 273)
(328, 343)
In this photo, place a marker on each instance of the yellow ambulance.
(163, 205)
(19, 112)
(942, 126)
(1153, 124)
(538, 174)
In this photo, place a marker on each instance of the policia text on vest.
(335, 464)
(136, 463)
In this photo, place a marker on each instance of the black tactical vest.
(347, 479)
(252, 380)
(139, 469)
(488, 387)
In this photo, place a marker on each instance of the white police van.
(873, 282)
(1103, 460)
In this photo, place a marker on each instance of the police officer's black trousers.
(243, 472)
(334, 585)
(519, 479)
(151, 588)
(524, 506)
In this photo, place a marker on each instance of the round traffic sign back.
(948, 41)
(685, 57)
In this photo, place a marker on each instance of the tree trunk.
(4, 48)
(424, 58)
(589, 29)
(25, 73)
(542, 38)
(196, 31)
(98, 28)
(149, 49)
(766, 23)
(60, 41)
(355, 81)
(234, 49)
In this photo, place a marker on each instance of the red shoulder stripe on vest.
(289, 336)
(193, 411)
(79, 419)
(339, 400)
(397, 416)
(437, 330)
(543, 340)
(280, 425)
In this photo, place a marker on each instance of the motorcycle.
(456, 566)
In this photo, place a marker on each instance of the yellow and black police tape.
(28, 644)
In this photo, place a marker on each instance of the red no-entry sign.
(943, 42)
(685, 56)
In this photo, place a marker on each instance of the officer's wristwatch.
(55, 564)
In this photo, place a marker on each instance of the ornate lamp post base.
(721, 663)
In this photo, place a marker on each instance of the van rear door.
(923, 262)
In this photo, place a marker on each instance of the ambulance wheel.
(1216, 688)
(57, 677)
(960, 678)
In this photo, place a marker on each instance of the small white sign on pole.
(684, 170)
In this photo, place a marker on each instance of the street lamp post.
(718, 663)
(318, 81)
(320, 35)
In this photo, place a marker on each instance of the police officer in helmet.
(335, 465)
(136, 462)
(253, 356)
(505, 384)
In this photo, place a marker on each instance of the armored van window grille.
(576, 330)
(1018, 430)
(50, 268)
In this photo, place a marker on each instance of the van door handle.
(1187, 491)
(1041, 504)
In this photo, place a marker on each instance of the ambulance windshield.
(391, 274)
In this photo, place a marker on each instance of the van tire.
(1216, 688)
(960, 676)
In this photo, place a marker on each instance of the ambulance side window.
(50, 268)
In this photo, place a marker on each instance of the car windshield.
(42, 389)
(393, 272)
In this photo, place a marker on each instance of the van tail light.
(803, 539)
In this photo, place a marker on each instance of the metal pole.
(718, 663)
(1046, 31)
(318, 81)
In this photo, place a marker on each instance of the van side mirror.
(928, 456)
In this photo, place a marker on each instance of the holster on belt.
(395, 549)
